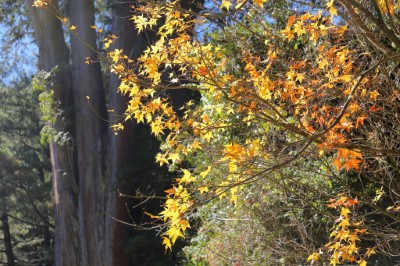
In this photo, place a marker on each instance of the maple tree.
(307, 89)
(317, 87)
(345, 236)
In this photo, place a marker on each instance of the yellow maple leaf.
(187, 177)
(184, 224)
(116, 55)
(174, 157)
(345, 213)
(300, 77)
(208, 136)
(156, 127)
(288, 33)
(344, 223)
(373, 95)
(370, 251)
(72, 28)
(203, 189)
(221, 191)
(140, 22)
(299, 28)
(331, 8)
(362, 263)
(107, 42)
(205, 173)
(161, 159)
(173, 233)
(346, 78)
(226, 4)
(333, 261)
(167, 243)
(196, 145)
(313, 257)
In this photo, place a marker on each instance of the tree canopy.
(25, 180)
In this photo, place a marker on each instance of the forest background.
(278, 123)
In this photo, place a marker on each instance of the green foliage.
(272, 221)
(25, 179)
(49, 109)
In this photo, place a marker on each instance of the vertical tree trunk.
(47, 243)
(90, 134)
(7, 239)
(121, 145)
(132, 150)
(46, 229)
(54, 52)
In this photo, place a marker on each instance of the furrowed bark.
(90, 134)
(53, 52)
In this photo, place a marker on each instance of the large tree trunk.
(131, 157)
(132, 154)
(121, 145)
(54, 53)
(7, 239)
(90, 134)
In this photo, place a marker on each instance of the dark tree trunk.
(131, 157)
(47, 243)
(7, 239)
(121, 145)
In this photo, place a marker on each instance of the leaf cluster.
(278, 100)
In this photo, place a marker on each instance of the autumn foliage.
(315, 88)
(308, 89)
